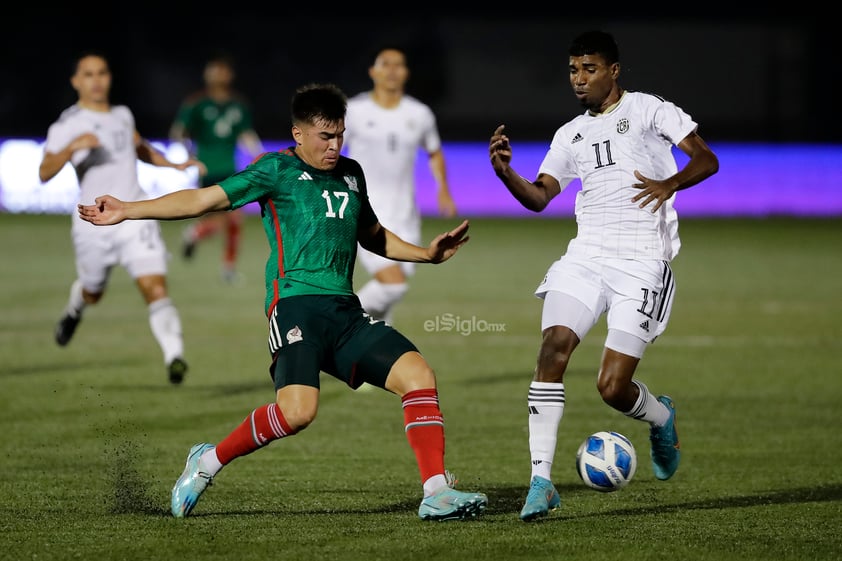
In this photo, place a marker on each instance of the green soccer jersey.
(213, 128)
(311, 218)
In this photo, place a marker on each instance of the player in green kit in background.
(315, 209)
(213, 123)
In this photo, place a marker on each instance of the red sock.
(425, 430)
(232, 240)
(262, 426)
(205, 228)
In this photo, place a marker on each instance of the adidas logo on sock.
(305, 177)
(576, 138)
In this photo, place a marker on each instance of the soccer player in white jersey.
(385, 129)
(101, 143)
(619, 262)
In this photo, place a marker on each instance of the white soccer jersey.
(604, 151)
(386, 143)
(110, 168)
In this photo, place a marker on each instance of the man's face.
(592, 80)
(319, 143)
(389, 70)
(92, 80)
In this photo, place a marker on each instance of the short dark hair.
(318, 102)
(388, 47)
(85, 53)
(596, 43)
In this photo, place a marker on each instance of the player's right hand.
(499, 150)
(105, 211)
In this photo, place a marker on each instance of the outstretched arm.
(702, 164)
(535, 195)
(187, 203)
(381, 241)
(149, 154)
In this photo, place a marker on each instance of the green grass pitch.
(93, 435)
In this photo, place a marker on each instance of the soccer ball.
(606, 461)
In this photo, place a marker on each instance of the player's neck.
(611, 102)
(219, 93)
(386, 98)
(100, 106)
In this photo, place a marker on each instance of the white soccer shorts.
(636, 295)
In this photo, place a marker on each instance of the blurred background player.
(103, 146)
(618, 264)
(385, 129)
(213, 124)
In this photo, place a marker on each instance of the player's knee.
(299, 417)
(409, 373)
(557, 346)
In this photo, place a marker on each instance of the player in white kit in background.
(385, 129)
(103, 146)
(618, 263)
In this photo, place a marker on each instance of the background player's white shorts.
(136, 245)
(637, 295)
(372, 262)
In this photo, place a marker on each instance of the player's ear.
(296, 135)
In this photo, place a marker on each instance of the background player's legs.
(165, 323)
(78, 299)
(383, 291)
(233, 230)
(201, 229)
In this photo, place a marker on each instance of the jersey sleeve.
(367, 217)
(672, 122)
(431, 140)
(559, 162)
(253, 183)
(59, 135)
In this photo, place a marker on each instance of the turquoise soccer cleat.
(450, 504)
(192, 483)
(541, 499)
(666, 452)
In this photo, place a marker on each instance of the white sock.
(378, 298)
(76, 303)
(648, 408)
(434, 484)
(166, 327)
(546, 407)
(210, 462)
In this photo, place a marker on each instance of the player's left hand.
(445, 245)
(447, 207)
(651, 190)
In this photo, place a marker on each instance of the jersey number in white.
(330, 213)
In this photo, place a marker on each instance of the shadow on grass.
(130, 497)
(510, 499)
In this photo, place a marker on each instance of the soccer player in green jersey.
(315, 209)
(213, 124)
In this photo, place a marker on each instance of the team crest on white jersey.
(623, 126)
(294, 335)
(352, 183)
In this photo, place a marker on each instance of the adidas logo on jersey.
(645, 326)
(577, 138)
(305, 177)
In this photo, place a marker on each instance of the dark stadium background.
(755, 77)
